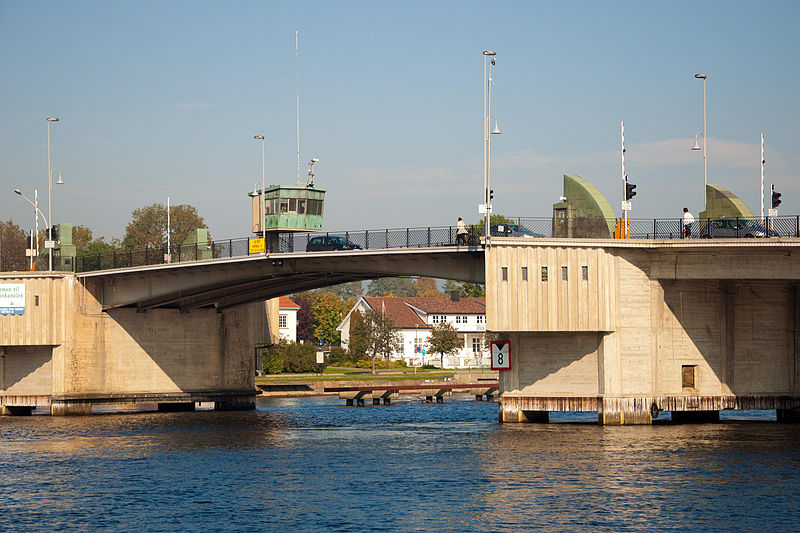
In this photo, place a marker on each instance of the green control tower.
(287, 208)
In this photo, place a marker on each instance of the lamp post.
(261, 196)
(50, 171)
(487, 144)
(36, 207)
(705, 142)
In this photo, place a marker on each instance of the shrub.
(291, 357)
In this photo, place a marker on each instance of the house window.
(437, 318)
(281, 321)
(505, 273)
(460, 319)
(524, 273)
(476, 345)
(544, 273)
(564, 276)
(481, 319)
(687, 376)
(585, 273)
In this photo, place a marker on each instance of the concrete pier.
(66, 353)
(630, 329)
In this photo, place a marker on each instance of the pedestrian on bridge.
(688, 220)
(461, 232)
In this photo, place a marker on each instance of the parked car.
(512, 230)
(325, 243)
(735, 227)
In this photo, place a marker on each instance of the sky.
(162, 99)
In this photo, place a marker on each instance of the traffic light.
(54, 233)
(776, 199)
(630, 191)
(491, 194)
(30, 242)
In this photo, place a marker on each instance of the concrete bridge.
(624, 328)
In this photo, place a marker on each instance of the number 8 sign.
(501, 355)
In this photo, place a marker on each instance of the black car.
(512, 230)
(735, 227)
(325, 243)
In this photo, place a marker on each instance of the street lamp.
(261, 196)
(50, 171)
(487, 144)
(36, 207)
(705, 138)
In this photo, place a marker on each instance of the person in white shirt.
(688, 220)
(461, 232)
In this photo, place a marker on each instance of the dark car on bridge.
(512, 230)
(326, 243)
(734, 228)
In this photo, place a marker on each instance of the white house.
(287, 319)
(415, 317)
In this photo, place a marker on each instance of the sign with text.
(12, 298)
(257, 246)
(501, 355)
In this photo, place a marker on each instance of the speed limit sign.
(501, 355)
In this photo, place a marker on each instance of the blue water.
(311, 464)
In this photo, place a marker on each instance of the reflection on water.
(311, 464)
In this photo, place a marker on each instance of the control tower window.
(301, 206)
(293, 205)
(284, 205)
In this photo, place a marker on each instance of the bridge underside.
(224, 283)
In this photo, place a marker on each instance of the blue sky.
(162, 99)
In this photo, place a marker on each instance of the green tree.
(465, 290)
(305, 316)
(148, 226)
(391, 287)
(382, 337)
(426, 288)
(345, 291)
(444, 340)
(328, 310)
(359, 336)
(12, 247)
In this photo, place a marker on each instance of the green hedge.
(291, 357)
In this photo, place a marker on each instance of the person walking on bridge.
(688, 220)
(461, 232)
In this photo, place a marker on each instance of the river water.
(311, 464)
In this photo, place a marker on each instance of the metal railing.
(423, 237)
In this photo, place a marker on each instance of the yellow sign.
(257, 246)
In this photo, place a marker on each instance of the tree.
(359, 336)
(382, 337)
(444, 340)
(305, 317)
(426, 288)
(391, 287)
(148, 226)
(81, 236)
(328, 310)
(12, 247)
(345, 291)
(465, 290)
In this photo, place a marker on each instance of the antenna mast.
(297, 87)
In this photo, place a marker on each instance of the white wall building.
(415, 317)
(287, 319)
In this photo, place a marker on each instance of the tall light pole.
(261, 196)
(50, 192)
(705, 142)
(487, 116)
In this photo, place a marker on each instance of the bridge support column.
(70, 407)
(624, 412)
(512, 413)
(235, 403)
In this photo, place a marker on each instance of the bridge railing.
(421, 237)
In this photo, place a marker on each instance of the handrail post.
(387, 238)
(408, 243)
(429, 236)
(366, 239)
